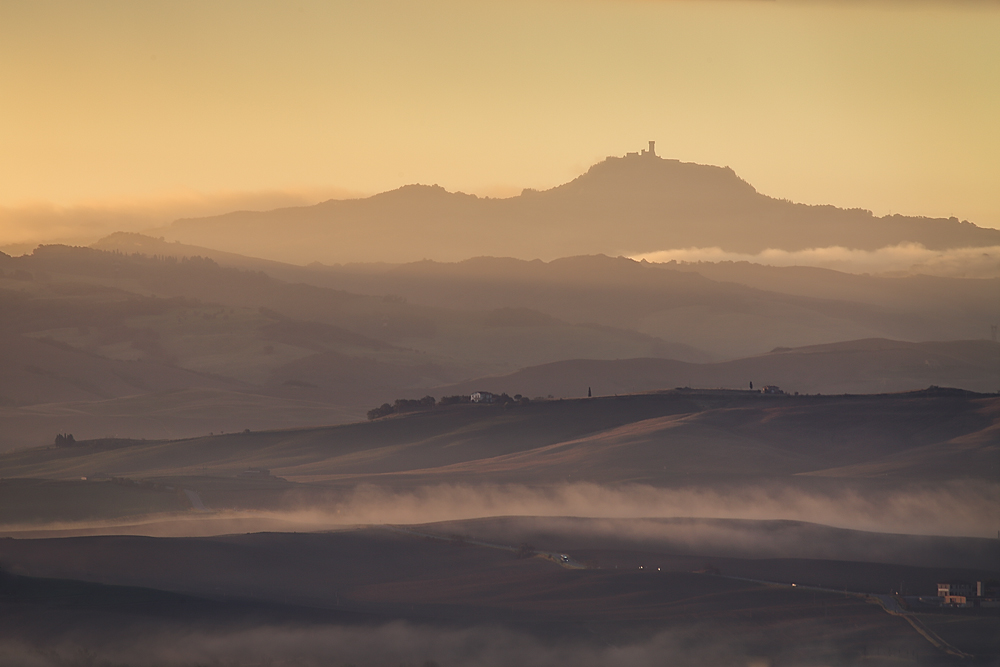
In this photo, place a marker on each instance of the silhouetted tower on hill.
(652, 149)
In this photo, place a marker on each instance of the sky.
(130, 114)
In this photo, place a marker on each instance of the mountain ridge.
(622, 205)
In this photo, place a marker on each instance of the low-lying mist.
(406, 645)
(966, 509)
(906, 258)
(956, 510)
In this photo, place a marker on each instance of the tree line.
(403, 405)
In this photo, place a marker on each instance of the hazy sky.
(891, 106)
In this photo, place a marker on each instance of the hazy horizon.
(884, 106)
(37, 225)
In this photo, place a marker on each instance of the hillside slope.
(100, 343)
(861, 366)
(657, 439)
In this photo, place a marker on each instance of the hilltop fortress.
(645, 152)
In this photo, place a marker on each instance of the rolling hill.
(548, 525)
(784, 306)
(660, 438)
(100, 343)
(862, 366)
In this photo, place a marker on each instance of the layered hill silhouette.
(741, 308)
(104, 343)
(636, 204)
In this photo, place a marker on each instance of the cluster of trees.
(402, 405)
(504, 399)
(501, 399)
(65, 440)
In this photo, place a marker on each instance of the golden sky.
(890, 106)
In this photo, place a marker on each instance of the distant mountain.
(630, 205)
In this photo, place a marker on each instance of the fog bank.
(968, 509)
(405, 645)
(906, 258)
